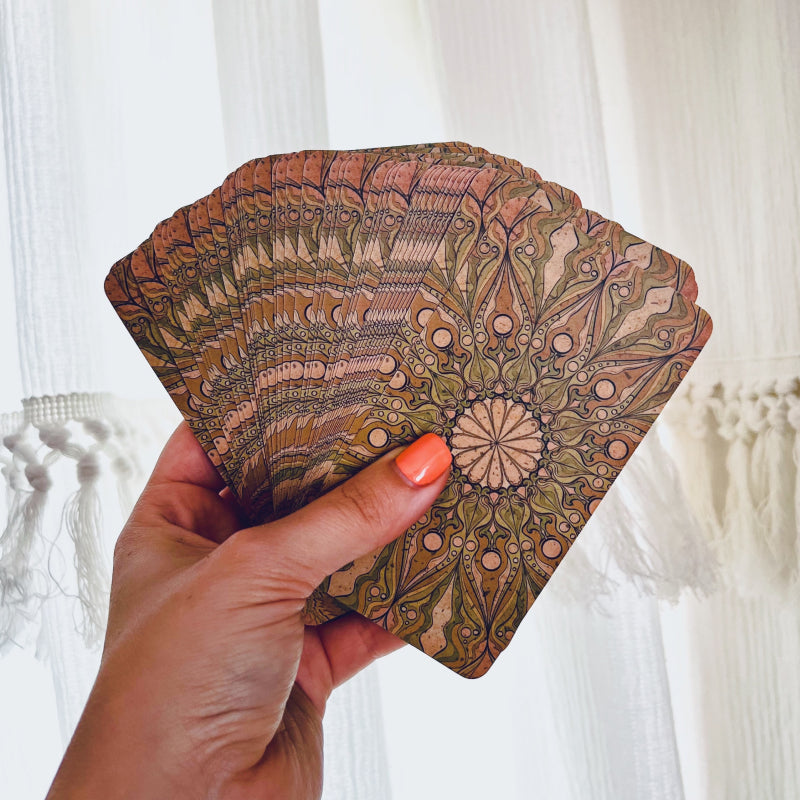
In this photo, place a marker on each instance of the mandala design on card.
(543, 365)
(496, 442)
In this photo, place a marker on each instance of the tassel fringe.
(644, 532)
(738, 448)
(60, 457)
(711, 496)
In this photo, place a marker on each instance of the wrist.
(115, 754)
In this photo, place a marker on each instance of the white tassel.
(582, 578)
(702, 465)
(748, 563)
(82, 519)
(19, 595)
(100, 434)
(124, 465)
(651, 532)
(741, 462)
(125, 472)
(773, 475)
(644, 532)
(793, 422)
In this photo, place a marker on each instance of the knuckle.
(276, 570)
(243, 549)
(363, 506)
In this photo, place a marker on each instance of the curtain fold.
(718, 156)
(731, 665)
(40, 184)
(269, 62)
(520, 79)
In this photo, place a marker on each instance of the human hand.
(209, 684)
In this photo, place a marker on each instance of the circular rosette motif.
(496, 442)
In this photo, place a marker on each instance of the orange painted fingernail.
(425, 460)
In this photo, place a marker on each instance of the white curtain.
(661, 661)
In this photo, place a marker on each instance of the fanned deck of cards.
(321, 308)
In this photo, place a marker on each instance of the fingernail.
(425, 460)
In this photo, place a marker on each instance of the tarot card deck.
(322, 307)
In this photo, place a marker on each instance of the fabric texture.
(678, 120)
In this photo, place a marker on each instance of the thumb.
(360, 515)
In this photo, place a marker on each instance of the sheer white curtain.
(678, 120)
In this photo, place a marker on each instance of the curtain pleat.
(735, 695)
(602, 700)
(719, 157)
(269, 61)
(40, 184)
(519, 78)
(380, 79)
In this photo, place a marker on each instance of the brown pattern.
(322, 307)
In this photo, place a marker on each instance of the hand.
(209, 684)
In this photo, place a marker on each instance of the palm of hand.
(245, 710)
